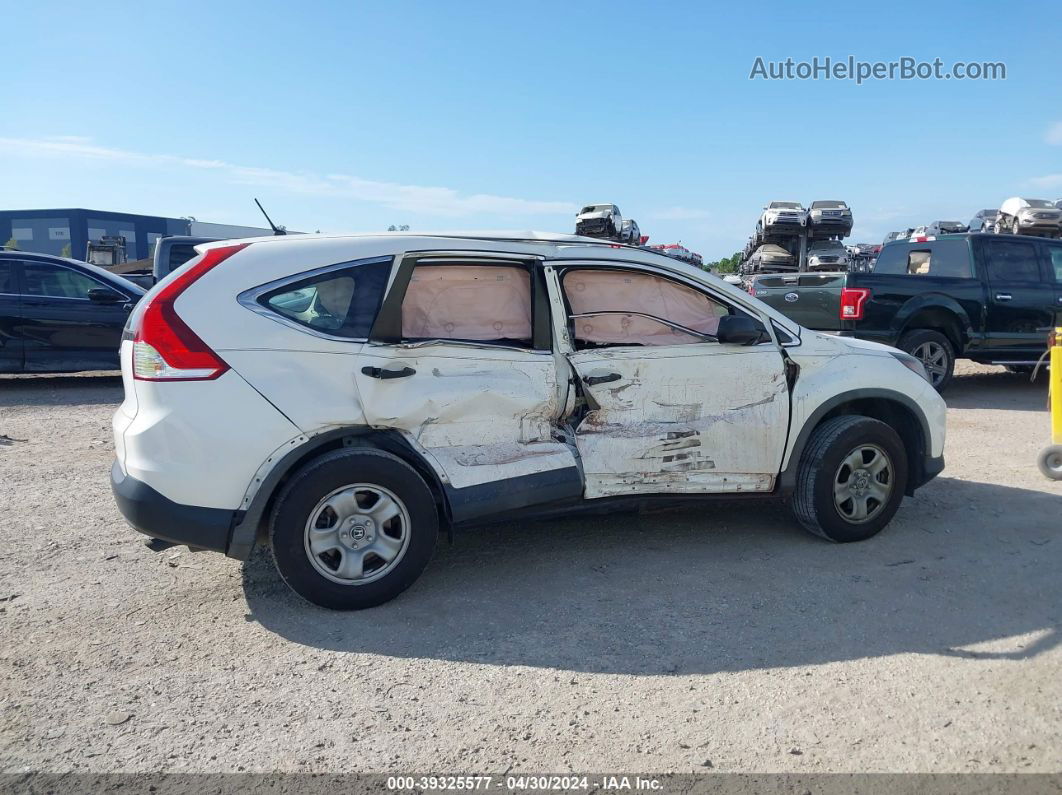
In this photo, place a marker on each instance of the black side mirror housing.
(105, 295)
(739, 330)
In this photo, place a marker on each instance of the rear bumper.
(159, 517)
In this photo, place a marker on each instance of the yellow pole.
(1056, 388)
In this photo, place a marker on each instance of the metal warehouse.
(67, 232)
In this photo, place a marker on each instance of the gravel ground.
(722, 638)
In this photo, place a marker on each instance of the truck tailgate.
(811, 299)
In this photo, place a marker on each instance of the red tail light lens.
(164, 347)
(852, 301)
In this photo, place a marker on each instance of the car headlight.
(911, 363)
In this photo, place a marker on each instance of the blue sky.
(352, 116)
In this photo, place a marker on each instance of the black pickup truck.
(989, 298)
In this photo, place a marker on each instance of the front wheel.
(353, 529)
(936, 353)
(852, 478)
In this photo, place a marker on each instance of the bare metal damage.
(484, 413)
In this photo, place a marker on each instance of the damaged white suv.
(342, 399)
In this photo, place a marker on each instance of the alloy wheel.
(863, 484)
(934, 358)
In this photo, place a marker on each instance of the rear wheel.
(354, 529)
(1015, 227)
(852, 478)
(936, 353)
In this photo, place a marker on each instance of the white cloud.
(1048, 181)
(413, 198)
(1054, 134)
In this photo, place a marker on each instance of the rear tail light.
(852, 301)
(164, 347)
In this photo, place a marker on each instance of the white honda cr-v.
(342, 399)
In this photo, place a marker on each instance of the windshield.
(828, 205)
(1040, 204)
(785, 205)
(827, 247)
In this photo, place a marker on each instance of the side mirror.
(105, 295)
(739, 330)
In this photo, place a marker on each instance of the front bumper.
(931, 467)
(789, 225)
(159, 517)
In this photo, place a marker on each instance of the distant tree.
(726, 264)
(399, 228)
(66, 251)
(12, 243)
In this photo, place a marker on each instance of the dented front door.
(668, 408)
(687, 419)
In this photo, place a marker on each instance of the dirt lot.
(721, 638)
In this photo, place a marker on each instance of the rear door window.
(468, 303)
(1011, 261)
(1054, 259)
(341, 301)
(7, 278)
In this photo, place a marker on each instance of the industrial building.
(67, 232)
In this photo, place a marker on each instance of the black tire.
(1050, 462)
(926, 345)
(1025, 370)
(831, 443)
(1015, 227)
(300, 497)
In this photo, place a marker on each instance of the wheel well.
(941, 320)
(897, 416)
(378, 440)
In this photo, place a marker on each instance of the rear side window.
(1011, 260)
(468, 303)
(180, 253)
(948, 259)
(892, 259)
(340, 302)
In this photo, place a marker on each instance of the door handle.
(379, 372)
(591, 380)
(1004, 296)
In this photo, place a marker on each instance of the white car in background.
(599, 220)
(780, 217)
(342, 399)
(1020, 216)
(827, 255)
(631, 235)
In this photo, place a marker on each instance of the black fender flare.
(246, 522)
(788, 477)
(901, 322)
